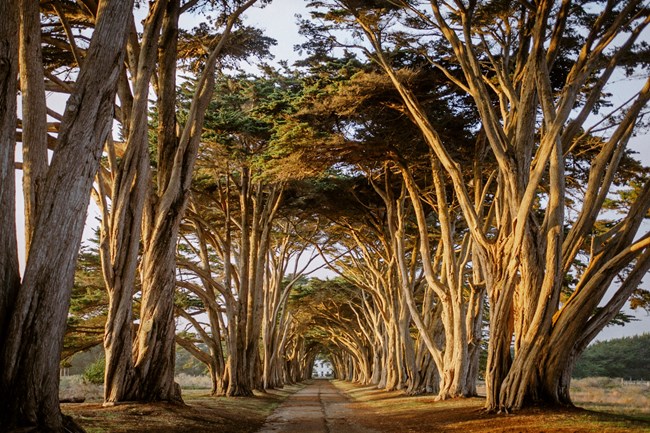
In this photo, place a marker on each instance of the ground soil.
(337, 407)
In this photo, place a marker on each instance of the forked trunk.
(154, 365)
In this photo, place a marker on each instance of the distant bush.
(94, 373)
(626, 358)
(78, 362)
(74, 387)
(187, 381)
(596, 382)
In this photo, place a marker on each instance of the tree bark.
(34, 110)
(122, 224)
(9, 267)
(164, 210)
(521, 246)
(32, 341)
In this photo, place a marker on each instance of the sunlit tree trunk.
(276, 320)
(523, 250)
(153, 373)
(239, 385)
(525, 268)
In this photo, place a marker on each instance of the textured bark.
(9, 272)
(217, 363)
(154, 365)
(32, 341)
(239, 384)
(121, 226)
(166, 91)
(151, 378)
(258, 206)
(448, 283)
(34, 111)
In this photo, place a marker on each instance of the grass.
(187, 381)
(395, 412)
(615, 396)
(201, 412)
(612, 406)
(75, 387)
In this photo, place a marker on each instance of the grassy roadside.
(613, 407)
(201, 413)
(394, 412)
(602, 394)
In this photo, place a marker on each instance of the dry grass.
(187, 381)
(395, 412)
(75, 387)
(604, 394)
(612, 406)
(201, 413)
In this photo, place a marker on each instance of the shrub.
(94, 373)
(187, 381)
(75, 387)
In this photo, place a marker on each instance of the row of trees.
(242, 248)
(524, 205)
(442, 157)
(90, 52)
(624, 358)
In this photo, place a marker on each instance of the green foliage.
(626, 358)
(77, 363)
(324, 310)
(88, 305)
(94, 373)
(247, 125)
(188, 364)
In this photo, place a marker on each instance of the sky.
(279, 21)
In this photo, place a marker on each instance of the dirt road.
(317, 408)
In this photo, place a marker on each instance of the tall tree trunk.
(154, 365)
(152, 374)
(9, 267)
(121, 233)
(31, 343)
(239, 384)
